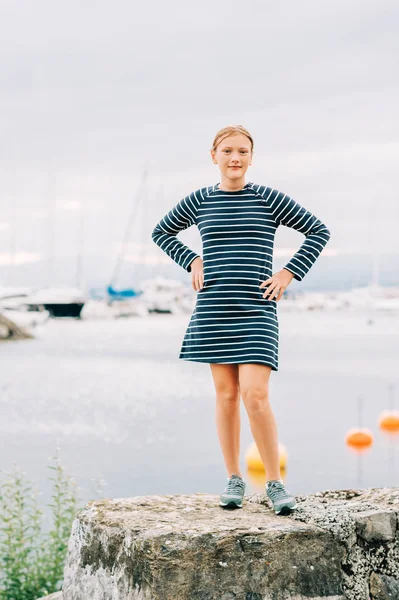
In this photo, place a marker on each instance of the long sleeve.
(180, 217)
(291, 214)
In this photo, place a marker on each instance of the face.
(233, 155)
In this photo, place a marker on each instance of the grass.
(32, 561)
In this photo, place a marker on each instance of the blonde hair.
(231, 130)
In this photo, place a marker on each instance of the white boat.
(372, 297)
(14, 307)
(60, 302)
(26, 319)
(101, 309)
(14, 296)
(163, 295)
(389, 305)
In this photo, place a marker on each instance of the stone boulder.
(338, 545)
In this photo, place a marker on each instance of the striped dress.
(231, 321)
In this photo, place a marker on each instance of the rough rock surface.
(11, 330)
(366, 523)
(340, 545)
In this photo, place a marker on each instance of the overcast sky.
(94, 92)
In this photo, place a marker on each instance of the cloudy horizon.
(94, 94)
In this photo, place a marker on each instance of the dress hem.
(233, 362)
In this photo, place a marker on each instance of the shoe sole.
(231, 504)
(286, 510)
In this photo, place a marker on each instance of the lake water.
(130, 418)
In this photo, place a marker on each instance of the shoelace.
(277, 490)
(235, 485)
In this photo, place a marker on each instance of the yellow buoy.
(254, 461)
(389, 421)
(359, 438)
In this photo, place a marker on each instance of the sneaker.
(283, 502)
(233, 494)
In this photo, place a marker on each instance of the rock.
(376, 525)
(383, 587)
(10, 331)
(56, 596)
(188, 548)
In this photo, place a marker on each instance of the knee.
(255, 398)
(228, 398)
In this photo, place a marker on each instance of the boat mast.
(80, 242)
(50, 227)
(129, 225)
(13, 224)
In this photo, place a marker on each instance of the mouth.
(234, 167)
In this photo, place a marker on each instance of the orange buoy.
(359, 438)
(254, 461)
(389, 421)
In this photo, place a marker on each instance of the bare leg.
(254, 386)
(225, 378)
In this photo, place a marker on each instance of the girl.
(234, 325)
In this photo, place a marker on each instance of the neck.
(228, 185)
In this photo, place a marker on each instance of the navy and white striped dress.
(231, 321)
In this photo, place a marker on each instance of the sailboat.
(125, 298)
(60, 301)
(53, 301)
(122, 294)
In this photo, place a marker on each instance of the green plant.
(31, 561)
